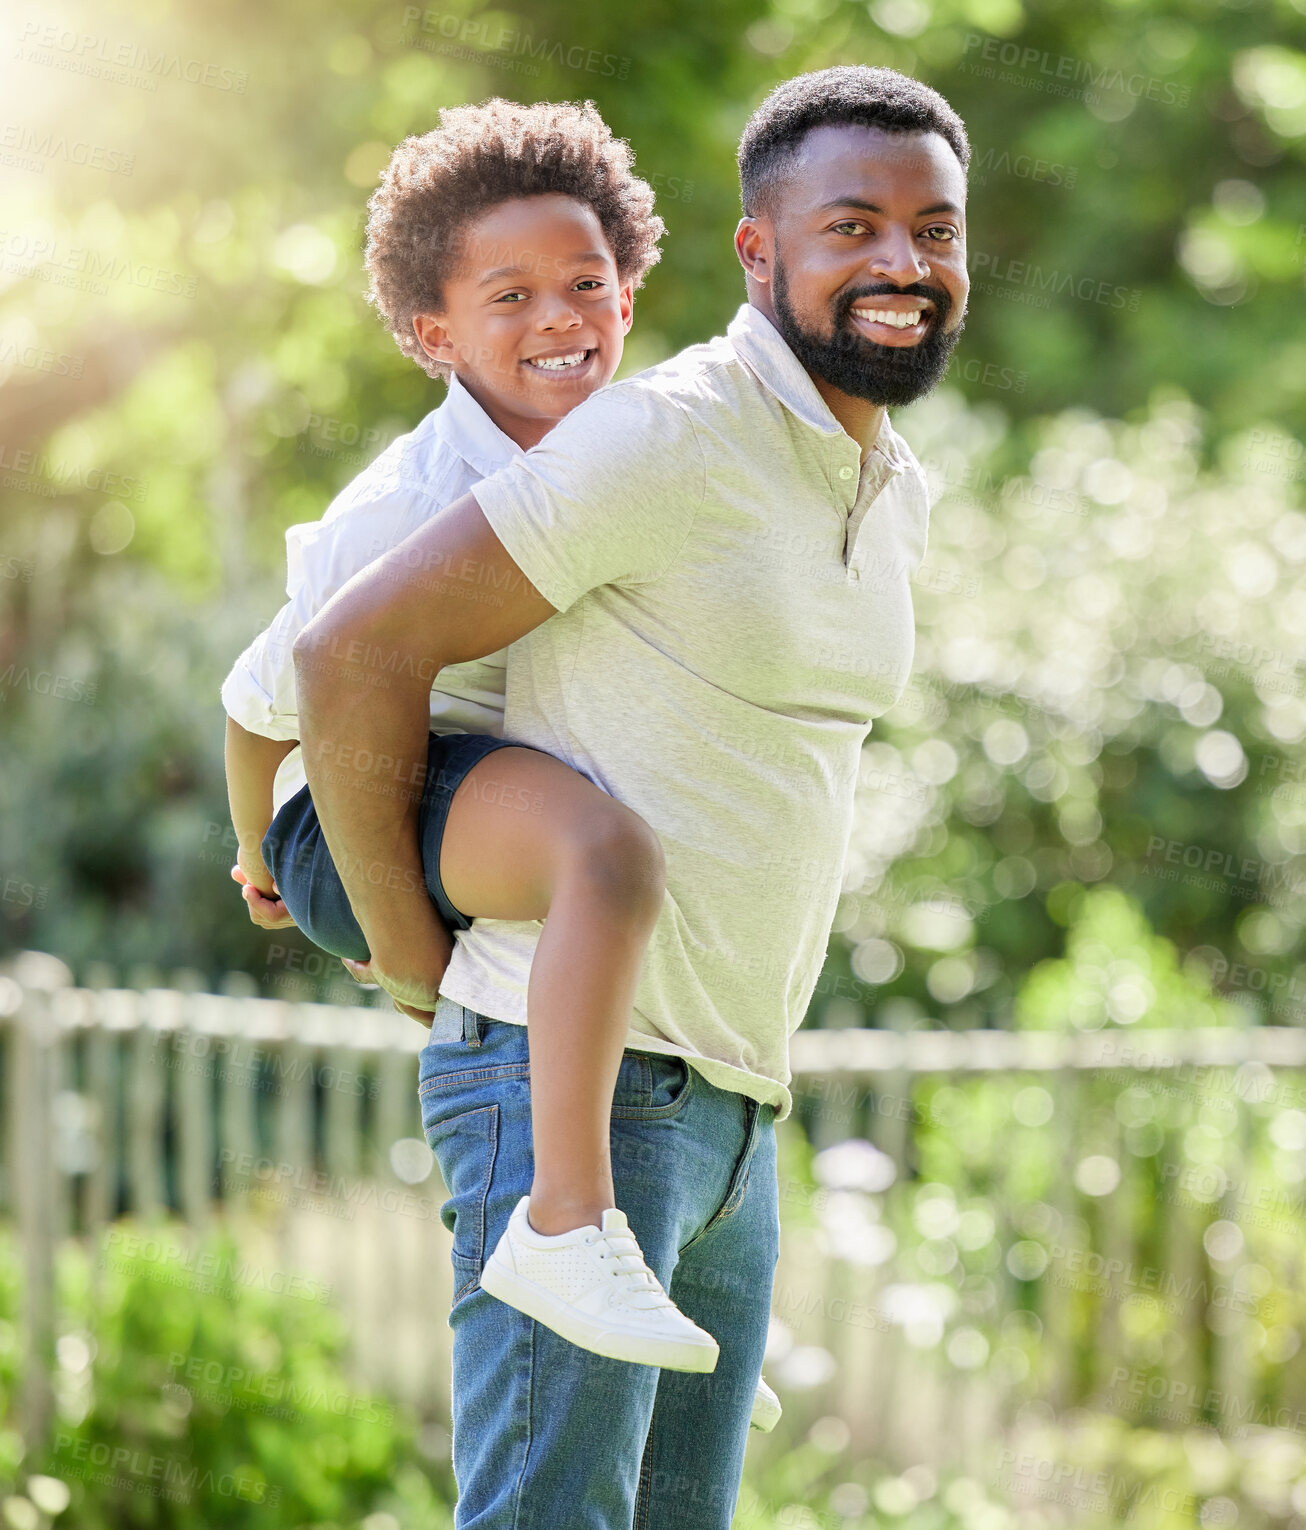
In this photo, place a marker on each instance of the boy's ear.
(433, 337)
(626, 302)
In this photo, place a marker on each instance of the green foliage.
(1115, 972)
(1106, 686)
(196, 1388)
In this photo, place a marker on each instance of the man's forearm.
(365, 736)
(364, 667)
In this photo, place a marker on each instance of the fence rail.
(304, 1118)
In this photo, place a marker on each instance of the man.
(704, 572)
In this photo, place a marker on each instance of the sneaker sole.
(590, 1333)
(765, 1416)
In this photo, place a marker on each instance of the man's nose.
(897, 259)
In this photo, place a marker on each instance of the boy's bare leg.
(529, 838)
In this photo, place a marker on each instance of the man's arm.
(364, 667)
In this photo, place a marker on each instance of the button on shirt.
(735, 609)
(452, 449)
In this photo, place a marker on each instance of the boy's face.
(535, 316)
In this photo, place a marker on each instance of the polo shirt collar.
(466, 428)
(762, 348)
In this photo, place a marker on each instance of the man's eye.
(847, 223)
(942, 228)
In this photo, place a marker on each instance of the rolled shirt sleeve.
(608, 497)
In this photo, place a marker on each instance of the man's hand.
(261, 896)
(413, 984)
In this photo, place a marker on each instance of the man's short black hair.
(853, 93)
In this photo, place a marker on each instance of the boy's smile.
(535, 317)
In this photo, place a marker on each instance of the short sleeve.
(608, 497)
(321, 557)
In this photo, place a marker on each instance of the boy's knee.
(619, 858)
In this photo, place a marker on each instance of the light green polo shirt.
(735, 608)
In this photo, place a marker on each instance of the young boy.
(504, 248)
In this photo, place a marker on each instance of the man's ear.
(754, 240)
(433, 337)
(626, 302)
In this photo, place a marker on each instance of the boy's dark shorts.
(295, 849)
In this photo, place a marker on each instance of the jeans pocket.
(465, 1147)
(658, 1087)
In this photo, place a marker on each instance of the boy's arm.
(364, 667)
(252, 762)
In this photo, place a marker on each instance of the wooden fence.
(297, 1125)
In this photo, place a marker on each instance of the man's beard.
(859, 366)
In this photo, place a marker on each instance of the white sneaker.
(766, 1408)
(592, 1286)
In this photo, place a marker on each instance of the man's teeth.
(889, 316)
(556, 363)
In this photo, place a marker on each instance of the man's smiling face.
(867, 236)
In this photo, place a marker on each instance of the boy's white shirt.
(449, 452)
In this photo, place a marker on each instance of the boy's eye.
(588, 283)
(508, 297)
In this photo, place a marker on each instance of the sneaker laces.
(643, 1288)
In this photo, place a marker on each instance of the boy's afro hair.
(480, 155)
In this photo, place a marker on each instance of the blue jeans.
(547, 1436)
(295, 850)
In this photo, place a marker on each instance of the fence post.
(31, 1152)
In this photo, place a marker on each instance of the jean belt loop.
(471, 1027)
